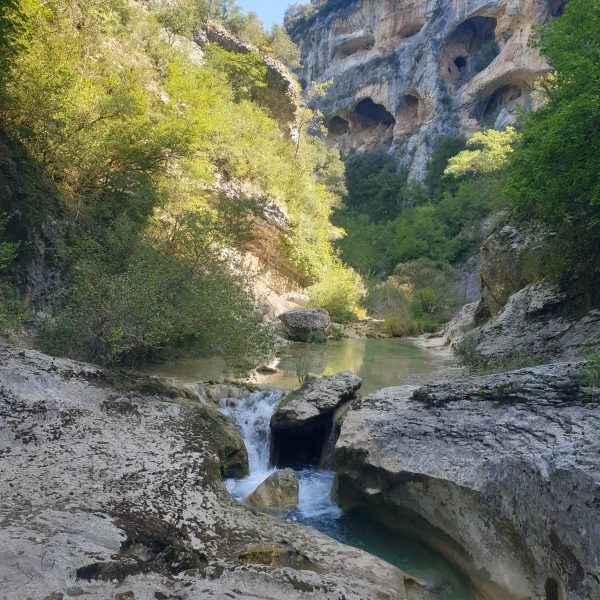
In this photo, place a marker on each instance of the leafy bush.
(340, 291)
(554, 171)
(590, 373)
(419, 296)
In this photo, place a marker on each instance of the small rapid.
(252, 415)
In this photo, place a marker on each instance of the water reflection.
(380, 362)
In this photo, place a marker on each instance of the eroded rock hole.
(338, 126)
(412, 28)
(368, 114)
(460, 62)
(355, 45)
(551, 589)
(469, 50)
(301, 447)
(504, 102)
(410, 114)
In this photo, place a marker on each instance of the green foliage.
(375, 187)
(8, 250)
(389, 221)
(281, 46)
(419, 296)
(487, 152)
(131, 131)
(553, 174)
(340, 291)
(245, 72)
(590, 373)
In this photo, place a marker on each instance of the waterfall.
(252, 415)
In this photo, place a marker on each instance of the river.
(380, 363)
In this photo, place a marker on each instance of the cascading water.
(252, 415)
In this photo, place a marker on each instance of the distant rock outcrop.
(306, 324)
(406, 72)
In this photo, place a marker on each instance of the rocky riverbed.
(500, 473)
(111, 489)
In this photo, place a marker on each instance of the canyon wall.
(407, 71)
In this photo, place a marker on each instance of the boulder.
(499, 473)
(278, 492)
(303, 424)
(306, 324)
(111, 489)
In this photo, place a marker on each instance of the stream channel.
(380, 363)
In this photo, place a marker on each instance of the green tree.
(554, 171)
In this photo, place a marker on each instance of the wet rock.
(278, 492)
(133, 501)
(500, 473)
(303, 423)
(281, 555)
(306, 324)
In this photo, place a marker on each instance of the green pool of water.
(380, 362)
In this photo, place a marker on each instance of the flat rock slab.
(315, 399)
(112, 489)
(501, 473)
(279, 491)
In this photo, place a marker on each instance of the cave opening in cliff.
(509, 97)
(410, 114)
(367, 114)
(338, 126)
(355, 45)
(551, 589)
(469, 50)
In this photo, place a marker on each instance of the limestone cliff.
(405, 72)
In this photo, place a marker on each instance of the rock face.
(111, 488)
(540, 320)
(406, 72)
(281, 95)
(302, 426)
(306, 324)
(510, 260)
(278, 492)
(500, 473)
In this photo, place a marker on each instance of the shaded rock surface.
(510, 260)
(303, 424)
(112, 486)
(406, 72)
(500, 473)
(306, 324)
(278, 492)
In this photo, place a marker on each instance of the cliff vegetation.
(116, 128)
